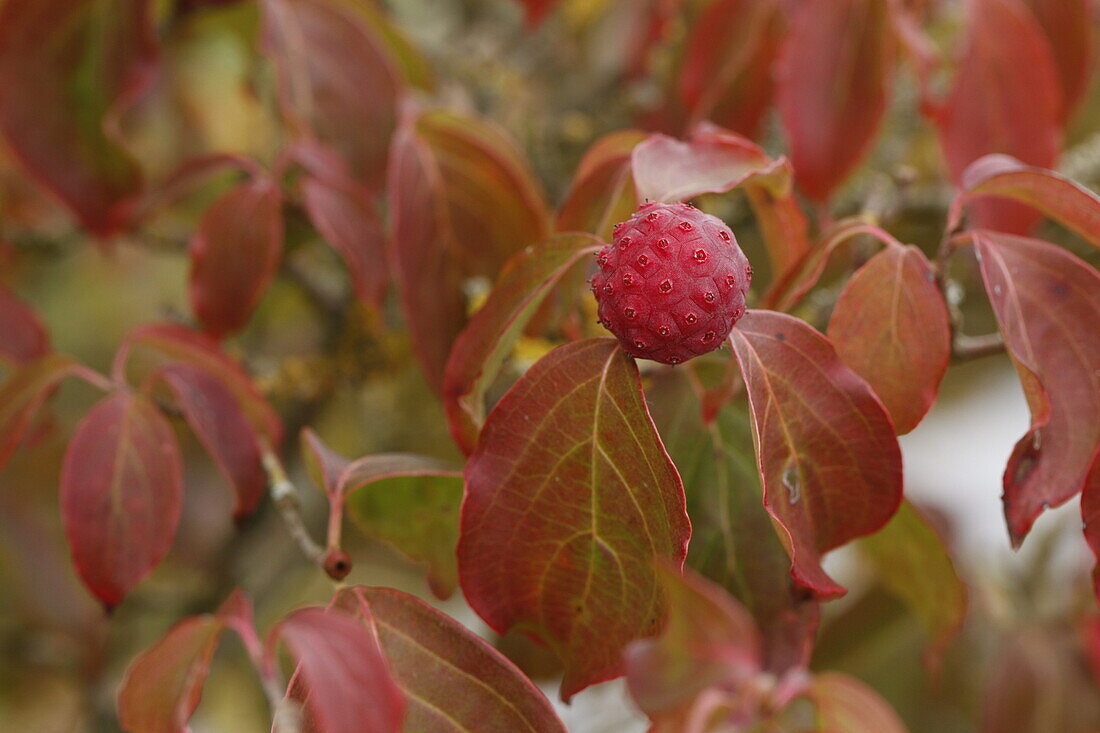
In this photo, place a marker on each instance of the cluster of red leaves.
(573, 524)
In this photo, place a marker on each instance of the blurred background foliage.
(1021, 661)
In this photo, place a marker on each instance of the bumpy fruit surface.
(672, 283)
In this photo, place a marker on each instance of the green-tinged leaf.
(1047, 303)
(411, 502)
(709, 641)
(834, 77)
(890, 326)
(67, 67)
(462, 201)
(336, 81)
(825, 446)
(570, 497)
(163, 686)
(734, 540)
(1063, 200)
(783, 225)
(451, 678)
(912, 562)
(121, 494)
(846, 705)
(480, 350)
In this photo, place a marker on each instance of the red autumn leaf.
(1090, 516)
(726, 73)
(326, 466)
(825, 446)
(213, 413)
(912, 562)
(569, 498)
(347, 219)
(337, 83)
(712, 160)
(344, 679)
(843, 703)
(46, 50)
(163, 685)
(1047, 303)
(437, 661)
(835, 76)
(180, 343)
(121, 492)
(1006, 52)
(234, 255)
(534, 11)
(890, 326)
(1067, 202)
(24, 392)
(1068, 26)
(710, 641)
(23, 337)
(480, 350)
(602, 192)
(462, 201)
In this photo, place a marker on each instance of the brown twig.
(965, 348)
(285, 496)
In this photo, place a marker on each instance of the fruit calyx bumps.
(672, 283)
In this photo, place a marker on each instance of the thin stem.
(285, 495)
(965, 348)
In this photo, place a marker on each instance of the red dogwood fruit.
(672, 283)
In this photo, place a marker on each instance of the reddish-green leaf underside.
(411, 502)
(163, 686)
(846, 705)
(569, 498)
(451, 678)
(24, 392)
(66, 66)
(834, 76)
(121, 493)
(1067, 202)
(1047, 302)
(234, 255)
(890, 326)
(710, 641)
(825, 446)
